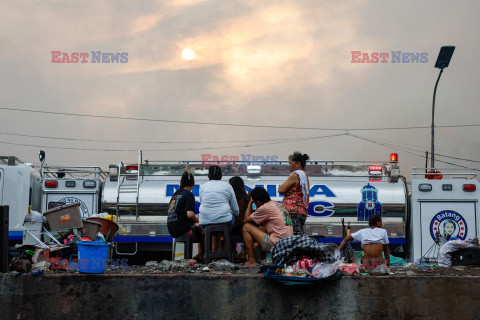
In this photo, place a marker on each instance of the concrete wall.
(235, 297)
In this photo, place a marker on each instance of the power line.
(408, 146)
(166, 150)
(230, 124)
(143, 142)
(456, 158)
(437, 154)
(403, 150)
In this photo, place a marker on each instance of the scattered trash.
(266, 261)
(239, 247)
(445, 252)
(20, 265)
(30, 252)
(42, 265)
(206, 269)
(325, 269)
(181, 265)
(36, 272)
(151, 264)
(222, 265)
(165, 266)
(278, 273)
(305, 268)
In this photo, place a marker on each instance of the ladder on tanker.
(124, 187)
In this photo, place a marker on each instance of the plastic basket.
(92, 256)
(269, 272)
(64, 217)
(108, 228)
(90, 229)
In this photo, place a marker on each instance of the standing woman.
(181, 213)
(296, 191)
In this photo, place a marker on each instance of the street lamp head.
(444, 57)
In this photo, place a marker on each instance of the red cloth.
(305, 263)
(293, 200)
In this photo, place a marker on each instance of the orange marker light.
(394, 157)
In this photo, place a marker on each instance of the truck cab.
(444, 207)
(66, 184)
(20, 189)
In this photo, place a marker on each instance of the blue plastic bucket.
(92, 256)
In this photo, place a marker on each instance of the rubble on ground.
(42, 265)
(222, 265)
(190, 266)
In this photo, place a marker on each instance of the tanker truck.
(138, 194)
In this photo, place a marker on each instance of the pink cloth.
(350, 268)
(274, 219)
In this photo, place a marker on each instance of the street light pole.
(432, 154)
(443, 60)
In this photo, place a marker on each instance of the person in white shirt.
(218, 204)
(374, 240)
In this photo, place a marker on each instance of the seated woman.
(217, 203)
(181, 213)
(242, 200)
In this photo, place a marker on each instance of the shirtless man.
(374, 240)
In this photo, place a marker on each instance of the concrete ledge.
(177, 296)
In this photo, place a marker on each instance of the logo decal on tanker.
(449, 225)
(369, 204)
(315, 208)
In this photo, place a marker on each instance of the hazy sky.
(280, 63)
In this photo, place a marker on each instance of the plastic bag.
(36, 216)
(324, 270)
(445, 252)
(305, 264)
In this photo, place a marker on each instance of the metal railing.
(121, 179)
(452, 172)
(73, 172)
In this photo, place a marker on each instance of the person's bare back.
(373, 250)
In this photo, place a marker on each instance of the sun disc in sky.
(188, 54)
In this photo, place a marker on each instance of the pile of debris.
(51, 240)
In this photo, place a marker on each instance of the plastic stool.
(216, 229)
(188, 242)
